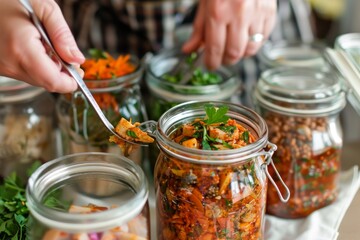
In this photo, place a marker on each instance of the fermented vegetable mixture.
(203, 201)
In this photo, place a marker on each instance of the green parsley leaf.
(215, 115)
(97, 53)
(245, 136)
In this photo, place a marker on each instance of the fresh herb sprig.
(213, 116)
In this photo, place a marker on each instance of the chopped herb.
(245, 136)
(216, 115)
(131, 134)
(227, 129)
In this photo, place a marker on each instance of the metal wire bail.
(268, 161)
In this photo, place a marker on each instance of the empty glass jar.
(301, 108)
(27, 123)
(88, 196)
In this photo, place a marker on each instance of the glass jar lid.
(345, 58)
(300, 91)
(293, 54)
(12, 90)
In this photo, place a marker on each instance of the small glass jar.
(292, 54)
(88, 196)
(27, 123)
(81, 128)
(208, 194)
(301, 108)
(165, 94)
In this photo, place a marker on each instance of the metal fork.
(72, 71)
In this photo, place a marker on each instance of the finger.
(270, 19)
(44, 72)
(236, 42)
(254, 44)
(59, 33)
(197, 36)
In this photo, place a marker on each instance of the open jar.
(301, 108)
(27, 126)
(208, 194)
(81, 128)
(172, 78)
(88, 196)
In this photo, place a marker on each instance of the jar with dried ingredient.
(211, 173)
(114, 84)
(88, 196)
(27, 123)
(301, 107)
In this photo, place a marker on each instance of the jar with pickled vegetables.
(88, 196)
(27, 123)
(301, 108)
(114, 83)
(210, 176)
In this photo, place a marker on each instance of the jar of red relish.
(211, 190)
(301, 107)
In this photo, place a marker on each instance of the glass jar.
(81, 128)
(301, 108)
(208, 194)
(292, 54)
(27, 126)
(88, 196)
(165, 94)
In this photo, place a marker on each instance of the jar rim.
(300, 91)
(112, 84)
(181, 92)
(293, 53)
(63, 168)
(13, 90)
(188, 111)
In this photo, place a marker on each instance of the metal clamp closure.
(264, 166)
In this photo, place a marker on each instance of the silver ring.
(257, 37)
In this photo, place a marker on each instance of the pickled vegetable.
(135, 229)
(205, 201)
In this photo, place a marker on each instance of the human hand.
(22, 53)
(224, 28)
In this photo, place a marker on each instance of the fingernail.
(77, 55)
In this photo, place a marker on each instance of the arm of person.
(22, 53)
(228, 30)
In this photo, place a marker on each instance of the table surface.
(350, 227)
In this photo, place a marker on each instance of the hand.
(22, 54)
(224, 29)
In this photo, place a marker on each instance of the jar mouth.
(300, 91)
(13, 90)
(165, 61)
(112, 84)
(348, 41)
(71, 174)
(293, 54)
(188, 111)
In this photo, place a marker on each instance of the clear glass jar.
(208, 194)
(81, 128)
(301, 108)
(165, 94)
(292, 54)
(88, 196)
(27, 123)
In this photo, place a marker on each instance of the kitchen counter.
(350, 227)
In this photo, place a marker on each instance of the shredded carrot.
(107, 68)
